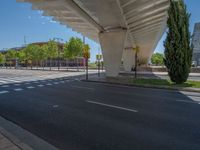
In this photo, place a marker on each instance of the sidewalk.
(6, 144)
(9, 142)
(13, 137)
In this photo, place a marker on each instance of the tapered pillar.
(128, 59)
(112, 44)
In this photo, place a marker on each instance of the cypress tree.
(178, 49)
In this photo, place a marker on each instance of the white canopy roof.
(144, 19)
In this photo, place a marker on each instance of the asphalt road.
(75, 115)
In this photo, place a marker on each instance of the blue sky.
(18, 20)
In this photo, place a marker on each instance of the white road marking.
(19, 89)
(41, 85)
(48, 84)
(55, 106)
(112, 106)
(5, 86)
(30, 87)
(3, 92)
(185, 101)
(80, 87)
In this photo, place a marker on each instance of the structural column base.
(112, 44)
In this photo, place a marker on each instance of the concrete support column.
(112, 44)
(128, 59)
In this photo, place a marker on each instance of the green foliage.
(157, 59)
(99, 57)
(21, 56)
(52, 49)
(11, 54)
(178, 49)
(74, 48)
(2, 58)
(30, 52)
(43, 52)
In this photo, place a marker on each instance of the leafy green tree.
(66, 54)
(21, 56)
(52, 51)
(75, 47)
(157, 59)
(43, 54)
(2, 58)
(178, 49)
(30, 53)
(10, 56)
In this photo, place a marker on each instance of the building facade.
(196, 44)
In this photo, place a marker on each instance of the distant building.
(196, 44)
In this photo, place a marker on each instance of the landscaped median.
(191, 86)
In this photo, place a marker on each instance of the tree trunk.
(50, 63)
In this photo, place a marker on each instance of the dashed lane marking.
(41, 85)
(19, 89)
(3, 92)
(112, 106)
(30, 87)
(5, 86)
(48, 84)
(80, 87)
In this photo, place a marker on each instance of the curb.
(23, 138)
(14, 140)
(148, 86)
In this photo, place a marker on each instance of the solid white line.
(17, 90)
(112, 106)
(3, 92)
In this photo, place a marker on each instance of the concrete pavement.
(86, 116)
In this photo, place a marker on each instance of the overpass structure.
(118, 25)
